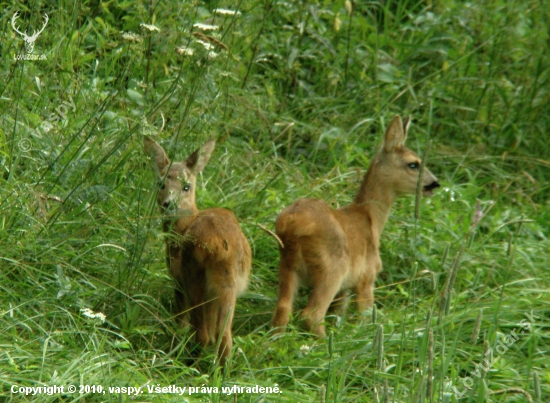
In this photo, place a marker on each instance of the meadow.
(298, 95)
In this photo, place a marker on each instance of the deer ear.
(198, 160)
(395, 134)
(156, 152)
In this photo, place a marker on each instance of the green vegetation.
(299, 94)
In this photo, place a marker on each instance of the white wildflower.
(92, 315)
(305, 349)
(184, 51)
(212, 55)
(131, 37)
(206, 45)
(205, 27)
(149, 27)
(224, 11)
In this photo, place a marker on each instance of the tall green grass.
(298, 93)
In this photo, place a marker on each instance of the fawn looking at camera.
(206, 251)
(335, 251)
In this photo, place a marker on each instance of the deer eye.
(413, 165)
(186, 187)
(161, 185)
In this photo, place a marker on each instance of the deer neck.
(179, 222)
(375, 197)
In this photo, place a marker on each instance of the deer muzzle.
(428, 190)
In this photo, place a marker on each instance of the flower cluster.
(223, 11)
(87, 312)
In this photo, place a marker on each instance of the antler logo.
(29, 40)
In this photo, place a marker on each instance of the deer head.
(177, 180)
(29, 40)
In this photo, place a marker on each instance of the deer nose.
(432, 186)
(166, 205)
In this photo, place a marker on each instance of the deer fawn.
(207, 254)
(334, 251)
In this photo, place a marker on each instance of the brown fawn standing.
(207, 253)
(334, 251)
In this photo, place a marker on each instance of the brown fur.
(207, 253)
(335, 251)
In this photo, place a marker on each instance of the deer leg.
(340, 303)
(195, 291)
(173, 260)
(288, 285)
(197, 322)
(221, 286)
(365, 295)
(322, 295)
(182, 305)
(225, 320)
(365, 288)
